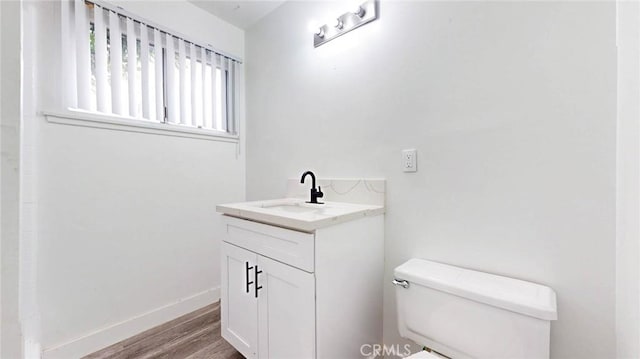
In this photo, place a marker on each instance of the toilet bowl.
(425, 355)
(462, 313)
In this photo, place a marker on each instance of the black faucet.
(315, 193)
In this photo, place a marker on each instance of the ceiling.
(241, 13)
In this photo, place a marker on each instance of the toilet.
(460, 313)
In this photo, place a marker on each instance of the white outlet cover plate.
(410, 160)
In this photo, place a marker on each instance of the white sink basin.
(297, 214)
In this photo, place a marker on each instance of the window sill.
(122, 123)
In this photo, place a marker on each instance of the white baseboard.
(31, 349)
(114, 333)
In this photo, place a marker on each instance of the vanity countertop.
(296, 214)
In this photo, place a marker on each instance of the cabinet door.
(286, 311)
(239, 306)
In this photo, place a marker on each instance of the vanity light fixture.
(363, 14)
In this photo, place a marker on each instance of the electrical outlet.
(409, 160)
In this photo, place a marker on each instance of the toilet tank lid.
(516, 295)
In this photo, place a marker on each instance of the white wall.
(628, 182)
(127, 233)
(10, 130)
(512, 108)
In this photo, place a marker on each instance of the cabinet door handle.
(247, 268)
(256, 280)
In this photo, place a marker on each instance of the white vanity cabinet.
(277, 320)
(293, 294)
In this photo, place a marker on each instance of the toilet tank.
(468, 314)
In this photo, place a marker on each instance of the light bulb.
(359, 11)
(339, 24)
(320, 32)
(312, 26)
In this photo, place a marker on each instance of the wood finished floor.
(193, 336)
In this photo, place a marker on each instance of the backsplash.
(351, 190)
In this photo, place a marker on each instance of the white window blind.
(118, 64)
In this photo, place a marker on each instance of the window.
(120, 65)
